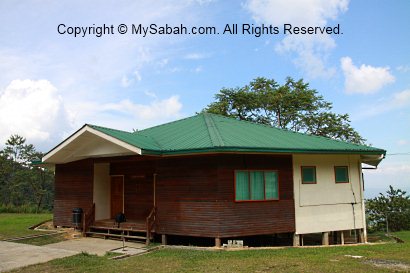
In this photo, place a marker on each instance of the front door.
(117, 195)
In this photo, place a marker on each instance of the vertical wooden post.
(302, 243)
(335, 237)
(325, 238)
(360, 237)
(164, 239)
(217, 242)
(296, 239)
(155, 190)
(342, 237)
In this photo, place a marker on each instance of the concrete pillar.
(325, 238)
(164, 239)
(217, 242)
(342, 238)
(296, 240)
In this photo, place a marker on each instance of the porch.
(121, 188)
(132, 229)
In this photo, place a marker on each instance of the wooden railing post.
(150, 223)
(88, 218)
(84, 229)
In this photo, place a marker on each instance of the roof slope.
(214, 133)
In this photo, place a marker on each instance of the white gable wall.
(326, 206)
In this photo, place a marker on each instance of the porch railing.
(150, 223)
(88, 218)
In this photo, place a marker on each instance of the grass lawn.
(319, 259)
(16, 224)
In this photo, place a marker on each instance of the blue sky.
(51, 84)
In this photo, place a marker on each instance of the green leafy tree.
(390, 211)
(293, 106)
(22, 183)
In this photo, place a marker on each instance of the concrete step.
(106, 235)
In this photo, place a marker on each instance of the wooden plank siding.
(187, 197)
(195, 197)
(73, 188)
(258, 217)
(138, 186)
(195, 194)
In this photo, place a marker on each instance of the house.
(211, 176)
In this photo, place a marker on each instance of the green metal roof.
(140, 141)
(214, 133)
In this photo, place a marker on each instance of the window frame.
(347, 175)
(249, 185)
(301, 175)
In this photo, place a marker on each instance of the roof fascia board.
(260, 150)
(87, 128)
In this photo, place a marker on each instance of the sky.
(52, 81)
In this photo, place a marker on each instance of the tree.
(21, 182)
(390, 212)
(293, 106)
(18, 151)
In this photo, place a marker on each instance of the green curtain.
(257, 186)
(271, 185)
(242, 186)
(341, 174)
(308, 175)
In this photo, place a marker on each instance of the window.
(308, 174)
(341, 174)
(256, 185)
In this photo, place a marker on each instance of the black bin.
(77, 215)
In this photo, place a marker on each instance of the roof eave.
(260, 150)
(82, 130)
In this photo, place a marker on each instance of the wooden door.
(117, 195)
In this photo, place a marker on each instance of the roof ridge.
(290, 131)
(160, 125)
(150, 137)
(213, 131)
(93, 125)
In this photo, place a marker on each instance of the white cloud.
(126, 114)
(150, 94)
(138, 76)
(195, 56)
(203, 2)
(198, 69)
(402, 142)
(400, 99)
(312, 52)
(296, 12)
(34, 110)
(394, 168)
(125, 82)
(85, 70)
(309, 52)
(393, 171)
(403, 68)
(365, 79)
(396, 101)
(87, 65)
(175, 69)
(157, 109)
(163, 62)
